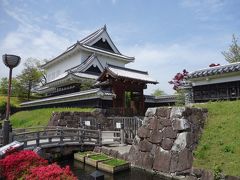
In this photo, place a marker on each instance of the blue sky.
(164, 36)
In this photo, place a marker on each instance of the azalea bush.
(27, 164)
(51, 172)
(18, 164)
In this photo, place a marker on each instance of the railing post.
(61, 136)
(99, 135)
(122, 133)
(25, 143)
(38, 139)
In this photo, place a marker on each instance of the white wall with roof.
(61, 66)
(74, 60)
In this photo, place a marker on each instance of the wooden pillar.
(142, 104)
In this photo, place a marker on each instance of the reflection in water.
(83, 171)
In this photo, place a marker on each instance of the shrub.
(18, 164)
(51, 172)
(28, 165)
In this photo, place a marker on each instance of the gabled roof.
(87, 64)
(92, 38)
(233, 67)
(86, 44)
(121, 72)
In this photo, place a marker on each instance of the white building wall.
(216, 79)
(103, 59)
(61, 66)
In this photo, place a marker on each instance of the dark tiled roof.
(233, 67)
(83, 43)
(123, 72)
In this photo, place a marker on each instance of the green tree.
(4, 86)
(158, 92)
(233, 53)
(30, 77)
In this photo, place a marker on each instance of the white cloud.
(30, 39)
(164, 61)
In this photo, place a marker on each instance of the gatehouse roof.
(127, 73)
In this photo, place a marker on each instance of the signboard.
(87, 123)
(118, 125)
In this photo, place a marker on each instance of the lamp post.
(10, 61)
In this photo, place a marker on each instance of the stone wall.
(76, 119)
(166, 140)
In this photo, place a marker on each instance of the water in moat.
(83, 171)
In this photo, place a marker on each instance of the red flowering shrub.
(28, 165)
(51, 172)
(178, 80)
(18, 164)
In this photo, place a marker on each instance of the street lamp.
(10, 61)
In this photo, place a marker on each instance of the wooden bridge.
(59, 136)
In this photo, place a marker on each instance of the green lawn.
(114, 162)
(99, 157)
(39, 117)
(219, 147)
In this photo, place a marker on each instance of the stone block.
(177, 112)
(180, 124)
(143, 132)
(153, 123)
(162, 161)
(150, 112)
(207, 175)
(174, 161)
(185, 160)
(97, 149)
(147, 160)
(145, 146)
(232, 178)
(133, 151)
(168, 132)
(197, 172)
(191, 178)
(105, 151)
(156, 137)
(165, 122)
(163, 112)
(181, 142)
(167, 143)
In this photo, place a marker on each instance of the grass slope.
(219, 147)
(39, 117)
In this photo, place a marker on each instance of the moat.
(83, 171)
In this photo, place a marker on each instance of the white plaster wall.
(103, 59)
(76, 59)
(61, 66)
(217, 79)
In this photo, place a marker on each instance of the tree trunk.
(29, 90)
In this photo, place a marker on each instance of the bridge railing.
(62, 135)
